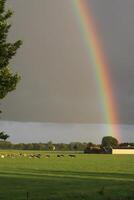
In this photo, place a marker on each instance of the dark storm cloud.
(57, 80)
(115, 20)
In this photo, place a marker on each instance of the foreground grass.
(85, 177)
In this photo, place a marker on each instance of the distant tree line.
(73, 146)
(108, 143)
(106, 146)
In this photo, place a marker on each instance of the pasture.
(83, 177)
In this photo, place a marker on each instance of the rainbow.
(100, 66)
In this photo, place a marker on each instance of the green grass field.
(109, 177)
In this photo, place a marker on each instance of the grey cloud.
(58, 83)
(66, 132)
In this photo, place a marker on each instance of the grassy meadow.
(95, 177)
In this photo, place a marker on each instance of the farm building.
(122, 151)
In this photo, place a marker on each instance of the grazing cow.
(47, 156)
(38, 155)
(60, 155)
(72, 155)
(35, 155)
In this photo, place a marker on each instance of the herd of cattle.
(33, 155)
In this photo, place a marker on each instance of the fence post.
(27, 196)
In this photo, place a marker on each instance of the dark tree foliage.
(8, 80)
(92, 148)
(3, 136)
(109, 142)
(40, 146)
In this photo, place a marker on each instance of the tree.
(8, 79)
(92, 148)
(61, 147)
(3, 136)
(50, 145)
(90, 145)
(109, 142)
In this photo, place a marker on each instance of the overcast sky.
(57, 79)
